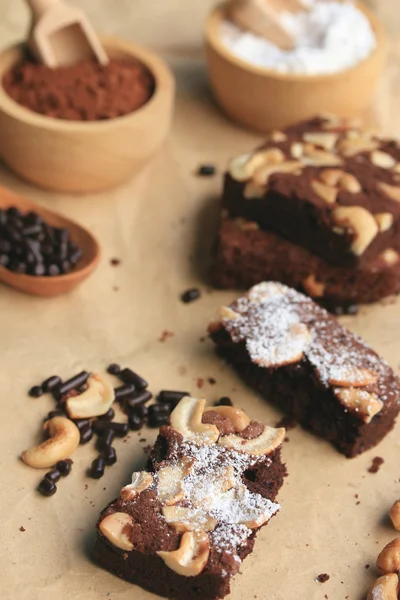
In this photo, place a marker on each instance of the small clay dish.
(83, 157)
(263, 99)
(62, 284)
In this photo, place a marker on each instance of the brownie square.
(184, 525)
(323, 184)
(244, 255)
(298, 356)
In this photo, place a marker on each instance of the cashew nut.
(184, 519)
(113, 528)
(170, 487)
(95, 401)
(238, 417)
(192, 555)
(360, 222)
(267, 442)
(140, 482)
(353, 377)
(325, 140)
(384, 220)
(385, 588)
(395, 515)
(365, 404)
(63, 441)
(393, 191)
(388, 560)
(187, 420)
(326, 192)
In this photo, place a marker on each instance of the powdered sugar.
(332, 36)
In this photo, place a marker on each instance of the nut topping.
(351, 147)
(359, 221)
(354, 377)
(245, 225)
(278, 136)
(327, 193)
(192, 555)
(296, 150)
(385, 588)
(238, 417)
(312, 287)
(382, 160)
(262, 174)
(187, 420)
(264, 444)
(170, 487)
(364, 403)
(252, 190)
(237, 168)
(325, 140)
(113, 528)
(331, 176)
(388, 560)
(140, 482)
(390, 257)
(384, 221)
(319, 158)
(395, 515)
(292, 345)
(95, 401)
(393, 191)
(188, 519)
(349, 183)
(63, 441)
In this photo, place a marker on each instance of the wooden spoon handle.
(261, 17)
(40, 7)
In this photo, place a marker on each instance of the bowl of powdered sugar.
(338, 54)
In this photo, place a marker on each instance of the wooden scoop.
(61, 35)
(262, 17)
(51, 286)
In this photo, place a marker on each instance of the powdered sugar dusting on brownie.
(265, 321)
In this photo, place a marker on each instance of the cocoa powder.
(84, 92)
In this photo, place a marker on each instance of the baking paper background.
(161, 225)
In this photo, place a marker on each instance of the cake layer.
(300, 357)
(184, 526)
(244, 255)
(323, 184)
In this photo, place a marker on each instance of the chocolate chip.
(55, 413)
(36, 391)
(73, 383)
(97, 468)
(47, 488)
(124, 391)
(106, 439)
(110, 456)
(110, 414)
(115, 262)
(53, 475)
(64, 466)
(224, 401)
(113, 369)
(190, 296)
(120, 429)
(86, 436)
(52, 382)
(142, 411)
(82, 424)
(171, 397)
(135, 421)
(206, 170)
(138, 398)
(129, 376)
(158, 415)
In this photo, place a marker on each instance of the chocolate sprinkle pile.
(29, 245)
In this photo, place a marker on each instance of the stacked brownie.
(182, 528)
(318, 208)
(299, 356)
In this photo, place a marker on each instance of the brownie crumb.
(367, 566)
(115, 262)
(22, 528)
(212, 381)
(377, 462)
(115, 288)
(286, 422)
(286, 439)
(166, 335)
(224, 401)
(200, 382)
(147, 449)
(326, 596)
(323, 577)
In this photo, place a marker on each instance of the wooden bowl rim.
(214, 39)
(164, 80)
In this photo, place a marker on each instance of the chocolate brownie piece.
(244, 255)
(300, 357)
(184, 526)
(323, 184)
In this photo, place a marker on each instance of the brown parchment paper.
(161, 225)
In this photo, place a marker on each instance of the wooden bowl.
(82, 157)
(263, 99)
(62, 284)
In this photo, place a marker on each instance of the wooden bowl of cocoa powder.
(83, 142)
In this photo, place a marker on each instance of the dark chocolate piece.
(64, 466)
(129, 376)
(97, 468)
(36, 391)
(47, 487)
(190, 296)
